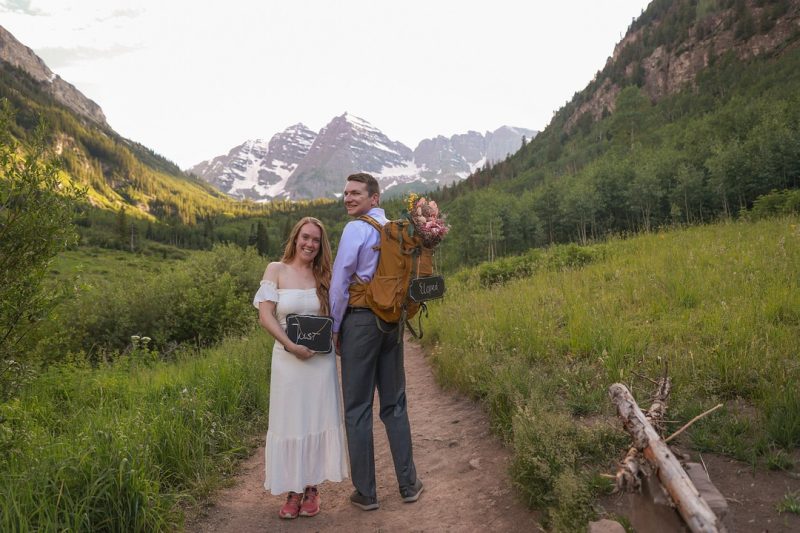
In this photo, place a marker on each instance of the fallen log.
(627, 478)
(658, 408)
(691, 506)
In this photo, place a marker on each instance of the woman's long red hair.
(322, 264)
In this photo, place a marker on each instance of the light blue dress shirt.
(354, 256)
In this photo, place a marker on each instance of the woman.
(305, 439)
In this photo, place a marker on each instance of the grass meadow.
(98, 265)
(128, 442)
(539, 339)
(126, 446)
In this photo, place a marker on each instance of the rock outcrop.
(20, 56)
(672, 66)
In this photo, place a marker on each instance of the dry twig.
(692, 421)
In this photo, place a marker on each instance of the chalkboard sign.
(313, 331)
(427, 288)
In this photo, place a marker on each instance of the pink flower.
(428, 221)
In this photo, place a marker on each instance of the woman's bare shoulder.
(273, 271)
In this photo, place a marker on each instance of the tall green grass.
(718, 305)
(119, 448)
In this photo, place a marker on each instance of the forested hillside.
(685, 150)
(133, 195)
(118, 172)
(135, 198)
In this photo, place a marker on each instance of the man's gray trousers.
(372, 357)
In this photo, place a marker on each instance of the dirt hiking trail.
(467, 487)
(463, 465)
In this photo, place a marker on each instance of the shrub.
(198, 301)
(35, 224)
(775, 204)
(522, 266)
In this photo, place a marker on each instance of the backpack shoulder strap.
(375, 224)
(371, 221)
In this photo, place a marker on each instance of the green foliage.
(790, 503)
(262, 239)
(102, 228)
(199, 301)
(122, 226)
(717, 303)
(36, 210)
(550, 451)
(124, 447)
(513, 267)
(779, 460)
(775, 204)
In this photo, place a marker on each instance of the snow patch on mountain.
(257, 169)
(477, 165)
(278, 189)
(300, 164)
(409, 169)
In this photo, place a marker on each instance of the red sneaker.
(291, 508)
(310, 506)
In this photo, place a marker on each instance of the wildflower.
(412, 198)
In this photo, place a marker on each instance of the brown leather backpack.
(402, 258)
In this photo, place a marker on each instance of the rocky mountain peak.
(258, 169)
(356, 122)
(20, 56)
(300, 164)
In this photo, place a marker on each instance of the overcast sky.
(192, 79)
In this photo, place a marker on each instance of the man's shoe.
(411, 493)
(365, 503)
(291, 508)
(311, 500)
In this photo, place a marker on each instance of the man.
(371, 354)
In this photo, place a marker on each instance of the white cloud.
(60, 57)
(19, 6)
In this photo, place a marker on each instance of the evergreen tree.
(287, 228)
(262, 239)
(122, 226)
(208, 228)
(134, 234)
(251, 239)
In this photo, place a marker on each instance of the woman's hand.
(300, 351)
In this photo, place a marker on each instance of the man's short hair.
(372, 183)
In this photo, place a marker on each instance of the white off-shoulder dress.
(306, 443)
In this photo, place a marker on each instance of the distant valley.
(295, 164)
